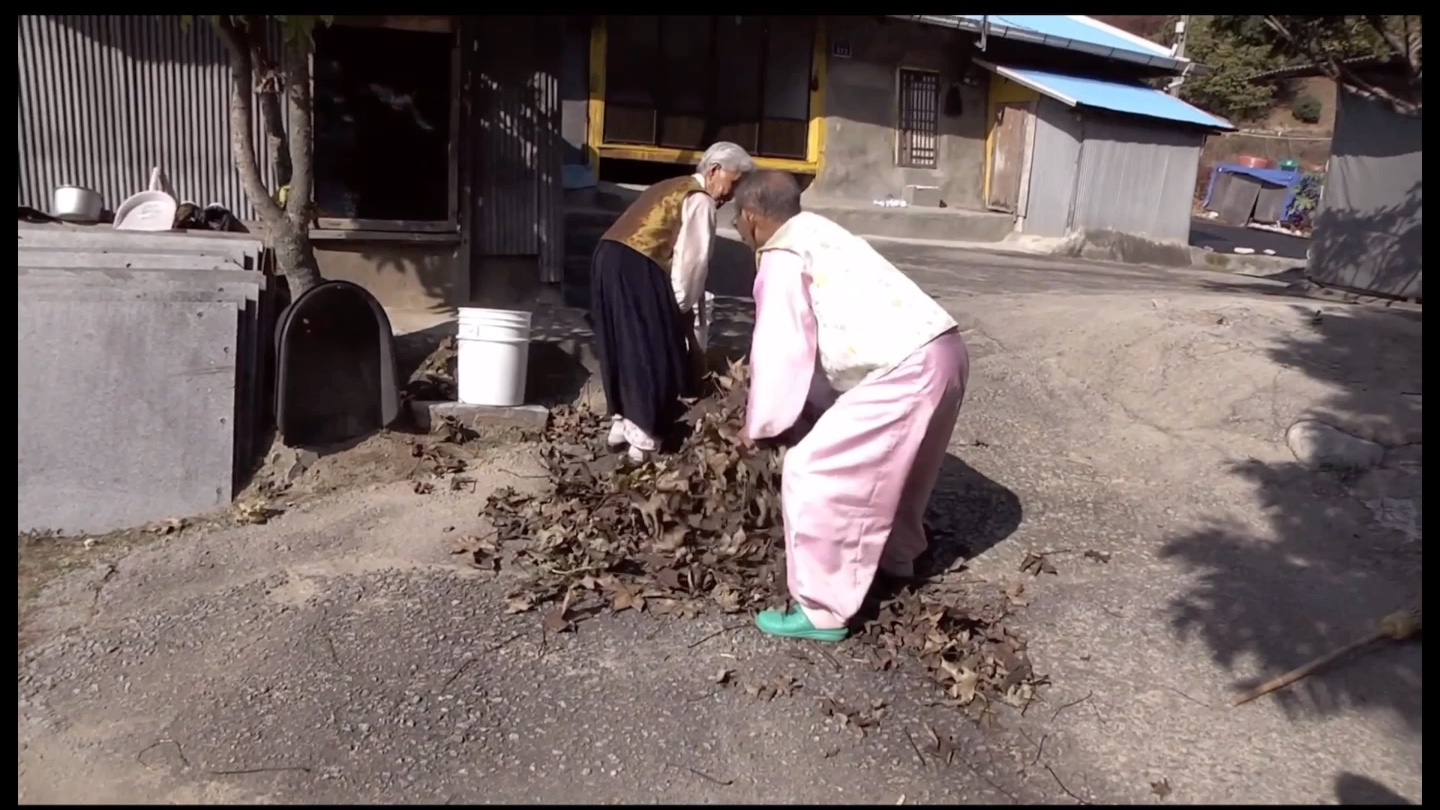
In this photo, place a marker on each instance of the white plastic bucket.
(704, 316)
(493, 356)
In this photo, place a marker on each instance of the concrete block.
(126, 412)
(523, 420)
(922, 196)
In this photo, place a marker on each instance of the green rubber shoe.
(794, 624)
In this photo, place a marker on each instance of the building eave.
(1036, 38)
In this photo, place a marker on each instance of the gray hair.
(769, 193)
(729, 156)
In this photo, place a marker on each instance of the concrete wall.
(575, 89)
(430, 276)
(861, 105)
(400, 275)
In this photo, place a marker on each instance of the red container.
(1252, 162)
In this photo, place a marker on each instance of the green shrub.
(1306, 109)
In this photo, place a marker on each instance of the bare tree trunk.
(288, 229)
(267, 84)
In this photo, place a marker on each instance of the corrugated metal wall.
(517, 148)
(1368, 232)
(105, 98)
(1053, 167)
(1136, 179)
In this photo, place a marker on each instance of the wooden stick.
(1301, 671)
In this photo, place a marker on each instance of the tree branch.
(1332, 64)
(295, 68)
(267, 86)
(242, 118)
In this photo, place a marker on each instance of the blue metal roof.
(1077, 29)
(1122, 97)
(1071, 32)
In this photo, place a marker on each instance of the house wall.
(861, 106)
(105, 98)
(1136, 178)
(422, 277)
(575, 89)
(1368, 231)
(1054, 167)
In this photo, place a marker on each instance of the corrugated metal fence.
(103, 99)
(517, 149)
(1136, 179)
(1053, 165)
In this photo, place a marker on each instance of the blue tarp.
(1288, 179)
(1124, 97)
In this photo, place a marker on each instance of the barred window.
(917, 136)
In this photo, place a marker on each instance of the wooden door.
(1007, 154)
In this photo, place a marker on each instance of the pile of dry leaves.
(701, 530)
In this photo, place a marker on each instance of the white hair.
(729, 156)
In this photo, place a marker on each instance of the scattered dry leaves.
(859, 721)
(701, 531)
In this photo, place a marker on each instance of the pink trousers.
(854, 490)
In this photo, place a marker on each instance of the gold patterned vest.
(651, 225)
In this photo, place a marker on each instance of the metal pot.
(77, 204)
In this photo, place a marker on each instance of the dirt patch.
(289, 478)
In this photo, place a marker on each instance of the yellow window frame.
(595, 124)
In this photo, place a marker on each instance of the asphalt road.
(1225, 238)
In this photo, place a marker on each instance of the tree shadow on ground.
(1342, 546)
(1353, 789)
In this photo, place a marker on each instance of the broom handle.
(1296, 674)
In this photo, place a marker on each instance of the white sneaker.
(616, 439)
(637, 455)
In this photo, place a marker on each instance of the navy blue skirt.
(641, 339)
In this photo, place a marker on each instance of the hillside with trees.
(1236, 48)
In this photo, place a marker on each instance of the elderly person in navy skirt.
(646, 280)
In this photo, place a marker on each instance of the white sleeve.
(690, 263)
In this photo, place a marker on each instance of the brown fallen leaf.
(255, 512)
(1015, 593)
(558, 620)
(1161, 788)
(1097, 556)
(1036, 564)
(722, 677)
(759, 691)
(520, 603)
(423, 487)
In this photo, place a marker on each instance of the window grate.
(917, 135)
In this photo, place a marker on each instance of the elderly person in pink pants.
(841, 332)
